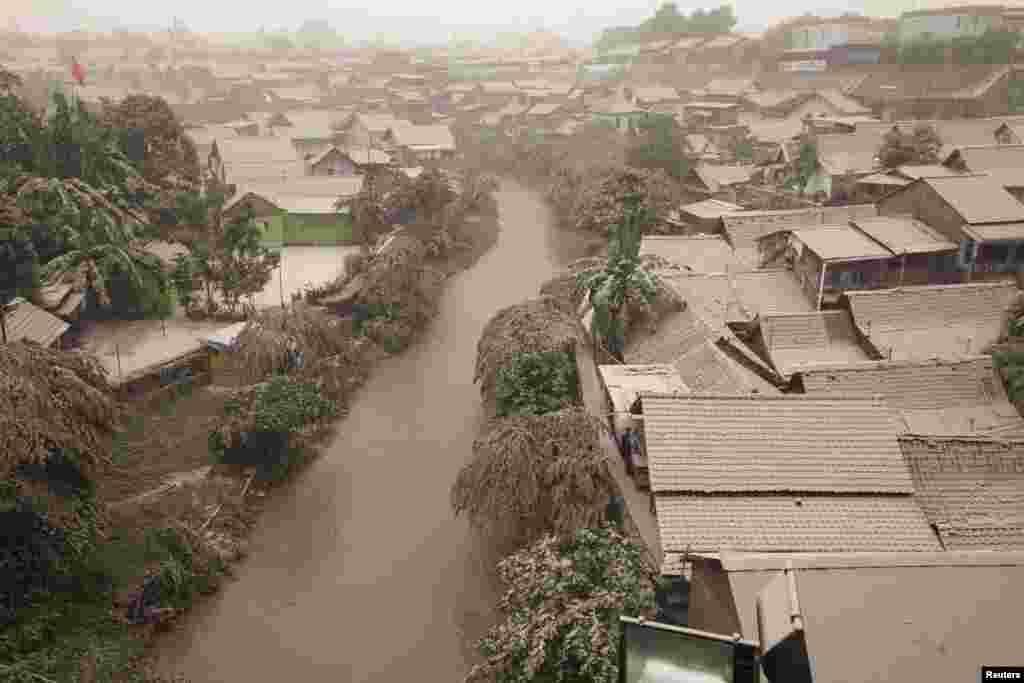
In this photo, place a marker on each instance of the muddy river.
(358, 571)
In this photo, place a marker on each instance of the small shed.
(24, 321)
(218, 344)
(622, 386)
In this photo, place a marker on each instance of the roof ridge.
(811, 367)
(967, 438)
(831, 398)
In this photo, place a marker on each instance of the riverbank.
(368, 525)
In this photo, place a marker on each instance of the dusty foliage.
(591, 199)
(261, 349)
(563, 599)
(567, 290)
(535, 325)
(534, 474)
(52, 400)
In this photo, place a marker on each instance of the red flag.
(77, 72)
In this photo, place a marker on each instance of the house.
(892, 604)
(1005, 163)
(697, 352)
(936, 91)
(829, 260)
(743, 229)
(778, 474)
(622, 386)
(950, 22)
(971, 489)
(24, 321)
(259, 159)
(301, 211)
(364, 130)
(706, 216)
(338, 162)
(877, 185)
(218, 345)
(648, 96)
(425, 144)
(941, 396)
(976, 212)
(701, 147)
(711, 179)
(618, 113)
(932, 321)
(707, 113)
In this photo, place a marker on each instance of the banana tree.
(609, 288)
(96, 246)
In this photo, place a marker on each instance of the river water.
(358, 571)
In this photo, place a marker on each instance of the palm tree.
(610, 287)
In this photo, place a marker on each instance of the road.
(358, 571)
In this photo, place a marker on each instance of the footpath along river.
(358, 572)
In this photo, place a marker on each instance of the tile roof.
(253, 159)
(978, 199)
(911, 385)
(677, 335)
(707, 369)
(796, 340)
(700, 254)
(904, 234)
(841, 243)
(746, 227)
(26, 321)
(772, 444)
(915, 171)
(933, 320)
(972, 490)
(740, 296)
(774, 523)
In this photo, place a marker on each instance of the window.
(997, 253)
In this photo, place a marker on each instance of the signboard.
(651, 652)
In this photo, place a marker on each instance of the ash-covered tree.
(920, 146)
(561, 609)
(154, 139)
(658, 144)
(225, 256)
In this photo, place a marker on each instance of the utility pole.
(3, 320)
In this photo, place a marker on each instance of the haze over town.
(592, 343)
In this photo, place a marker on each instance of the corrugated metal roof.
(424, 137)
(972, 490)
(772, 444)
(978, 199)
(904, 235)
(25, 320)
(841, 243)
(773, 523)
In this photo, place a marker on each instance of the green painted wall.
(317, 229)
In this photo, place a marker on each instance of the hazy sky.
(411, 19)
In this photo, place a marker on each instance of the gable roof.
(972, 490)
(1005, 163)
(796, 340)
(26, 321)
(249, 159)
(715, 176)
(932, 320)
(709, 370)
(843, 104)
(930, 82)
(772, 444)
(655, 93)
(625, 382)
(904, 234)
(425, 137)
(841, 243)
(781, 523)
(840, 153)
